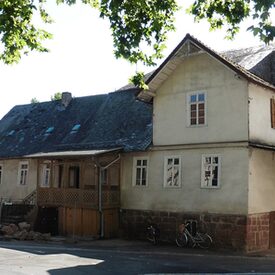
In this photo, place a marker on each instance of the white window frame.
(1, 173)
(203, 185)
(188, 100)
(135, 167)
(165, 185)
(26, 174)
(46, 170)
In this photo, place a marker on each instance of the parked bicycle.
(153, 234)
(189, 236)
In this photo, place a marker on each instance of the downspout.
(102, 168)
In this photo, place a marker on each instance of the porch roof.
(72, 153)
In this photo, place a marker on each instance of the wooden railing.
(76, 197)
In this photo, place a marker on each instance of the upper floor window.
(196, 108)
(46, 173)
(172, 172)
(140, 171)
(272, 112)
(210, 174)
(74, 176)
(23, 172)
(1, 173)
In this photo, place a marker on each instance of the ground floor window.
(210, 173)
(172, 172)
(140, 171)
(23, 172)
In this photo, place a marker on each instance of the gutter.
(101, 215)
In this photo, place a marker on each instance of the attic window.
(75, 128)
(49, 130)
(10, 133)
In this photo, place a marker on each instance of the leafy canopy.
(139, 27)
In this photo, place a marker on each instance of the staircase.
(18, 211)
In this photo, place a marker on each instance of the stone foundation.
(258, 226)
(238, 232)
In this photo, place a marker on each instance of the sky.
(81, 59)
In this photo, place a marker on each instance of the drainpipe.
(102, 168)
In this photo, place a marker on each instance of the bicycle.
(188, 235)
(153, 234)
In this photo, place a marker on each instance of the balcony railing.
(76, 198)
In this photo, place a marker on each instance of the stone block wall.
(227, 231)
(258, 226)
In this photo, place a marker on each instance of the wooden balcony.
(78, 198)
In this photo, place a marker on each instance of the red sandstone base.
(238, 232)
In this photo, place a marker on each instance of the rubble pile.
(22, 232)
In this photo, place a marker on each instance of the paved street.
(122, 257)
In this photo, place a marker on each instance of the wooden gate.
(272, 230)
(86, 222)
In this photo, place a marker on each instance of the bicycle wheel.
(204, 240)
(181, 240)
(151, 235)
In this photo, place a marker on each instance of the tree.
(56, 96)
(134, 24)
(34, 100)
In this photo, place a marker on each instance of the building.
(199, 144)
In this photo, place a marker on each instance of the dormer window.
(75, 128)
(49, 130)
(10, 133)
(196, 108)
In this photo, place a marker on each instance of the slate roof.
(107, 121)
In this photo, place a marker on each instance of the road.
(17, 258)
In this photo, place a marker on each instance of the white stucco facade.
(261, 188)
(226, 104)
(10, 189)
(230, 198)
(260, 130)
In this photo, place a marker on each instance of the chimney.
(66, 99)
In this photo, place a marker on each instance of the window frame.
(135, 167)
(46, 169)
(20, 169)
(203, 186)
(188, 100)
(165, 185)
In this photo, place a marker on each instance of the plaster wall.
(227, 104)
(10, 188)
(230, 198)
(261, 181)
(260, 130)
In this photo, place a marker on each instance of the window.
(1, 173)
(74, 177)
(75, 128)
(210, 177)
(46, 173)
(140, 172)
(272, 112)
(196, 108)
(23, 172)
(104, 176)
(172, 172)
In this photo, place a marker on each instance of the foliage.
(231, 13)
(56, 96)
(139, 27)
(34, 100)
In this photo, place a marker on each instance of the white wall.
(231, 197)
(260, 130)
(261, 181)
(10, 189)
(227, 104)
